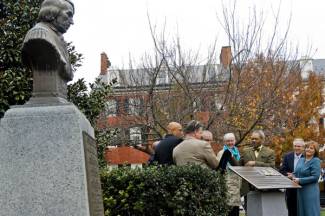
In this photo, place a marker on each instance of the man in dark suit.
(164, 149)
(287, 167)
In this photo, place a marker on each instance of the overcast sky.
(120, 27)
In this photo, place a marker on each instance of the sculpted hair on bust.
(50, 9)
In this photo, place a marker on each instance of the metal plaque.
(264, 177)
(95, 198)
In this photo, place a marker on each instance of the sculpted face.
(65, 18)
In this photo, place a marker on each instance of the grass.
(322, 213)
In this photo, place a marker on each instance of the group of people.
(302, 165)
(192, 145)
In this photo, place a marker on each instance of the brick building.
(127, 107)
(125, 156)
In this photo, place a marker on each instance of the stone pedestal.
(48, 163)
(266, 203)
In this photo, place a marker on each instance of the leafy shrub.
(174, 190)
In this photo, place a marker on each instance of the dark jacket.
(164, 149)
(291, 194)
(287, 163)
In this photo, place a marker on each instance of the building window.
(306, 66)
(134, 106)
(135, 135)
(197, 105)
(111, 107)
(162, 77)
(217, 104)
(211, 73)
(123, 165)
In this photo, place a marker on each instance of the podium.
(267, 199)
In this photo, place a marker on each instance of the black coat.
(291, 194)
(164, 149)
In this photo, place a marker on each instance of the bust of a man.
(45, 52)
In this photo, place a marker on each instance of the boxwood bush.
(174, 190)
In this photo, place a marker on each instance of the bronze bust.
(45, 52)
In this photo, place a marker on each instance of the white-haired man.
(207, 136)
(288, 166)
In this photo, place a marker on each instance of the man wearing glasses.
(194, 150)
(207, 136)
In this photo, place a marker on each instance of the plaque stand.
(266, 203)
(48, 162)
(267, 200)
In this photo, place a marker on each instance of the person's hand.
(296, 180)
(290, 175)
(250, 163)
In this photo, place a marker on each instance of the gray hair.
(50, 9)
(228, 136)
(298, 140)
(206, 134)
(260, 134)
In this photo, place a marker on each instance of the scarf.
(234, 151)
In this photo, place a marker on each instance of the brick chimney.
(225, 56)
(104, 63)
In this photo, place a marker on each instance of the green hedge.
(187, 190)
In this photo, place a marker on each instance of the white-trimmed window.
(197, 105)
(162, 77)
(134, 106)
(306, 66)
(111, 107)
(136, 135)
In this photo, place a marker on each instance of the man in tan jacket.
(194, 150)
